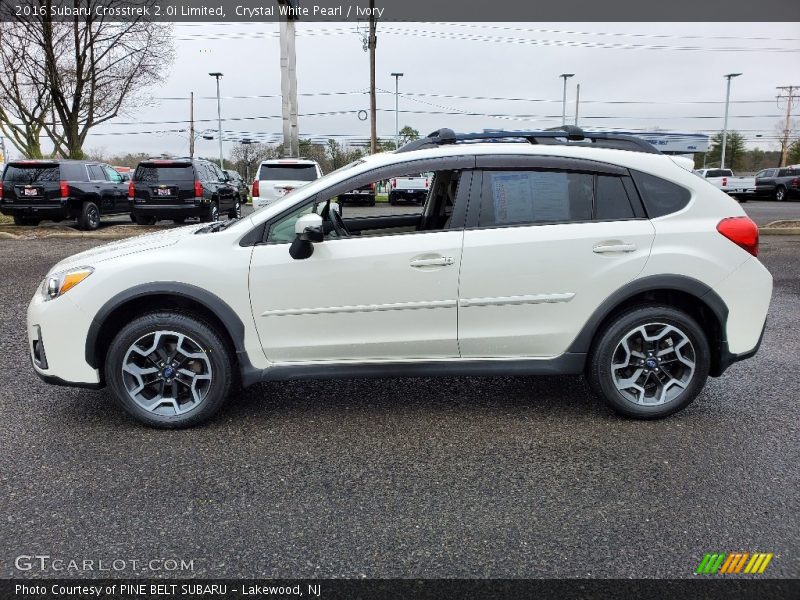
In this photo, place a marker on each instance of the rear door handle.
(441, 261)
(609, 248)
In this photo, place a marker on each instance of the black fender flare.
(230, 320)
(682, 283)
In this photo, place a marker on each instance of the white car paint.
(519, 292)
(269, 188)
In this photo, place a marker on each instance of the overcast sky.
(671, 73)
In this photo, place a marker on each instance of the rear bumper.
(357, 197)
(170, 211)
(43, 211)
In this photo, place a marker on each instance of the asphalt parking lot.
(458, 477)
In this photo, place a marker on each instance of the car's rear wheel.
(780, 193)
(649, 362)
(19, 220)
(89, 219)
(169, 370)
(179, 220)
(212, 214)
(236, 211)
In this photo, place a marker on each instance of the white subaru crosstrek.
(545, 253)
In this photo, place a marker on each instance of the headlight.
(60, 283)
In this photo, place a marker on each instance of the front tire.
(89, 220)
(169, 370)
(649, 362)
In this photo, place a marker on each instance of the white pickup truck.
(413, 188)
(740, 188)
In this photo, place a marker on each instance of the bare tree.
(92, 68)
(247, 157)
(25, 102)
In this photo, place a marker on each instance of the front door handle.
(609, 248)
(440, 261)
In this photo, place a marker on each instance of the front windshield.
(320, 183)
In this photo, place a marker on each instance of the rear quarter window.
(660, 197)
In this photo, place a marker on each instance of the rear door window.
(96, 173)
(173, 173)
(34, 173)
(288, 172)
(611, 200)
(534, 197)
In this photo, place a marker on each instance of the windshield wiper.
(218, 226)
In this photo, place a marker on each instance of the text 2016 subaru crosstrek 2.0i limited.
(539, 253)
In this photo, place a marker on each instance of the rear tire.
(179, 220)
(649, 362)
(780, 193)
(169, 370)
(392, 199)
(89, 220)
(212, 214)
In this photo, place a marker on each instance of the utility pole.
(564, 98)
(577, 102)
(789, 93)
(397, 77)
(219, 119)
(191, 125)
(372, 43)
(729, 76)
(3, 149)
(291, 138)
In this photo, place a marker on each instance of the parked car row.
(778, 183)
(34, 190)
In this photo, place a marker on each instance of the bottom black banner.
(378, 589)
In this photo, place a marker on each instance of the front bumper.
(57, 331)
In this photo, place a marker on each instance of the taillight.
(255, 188)
(198, 189)
(794, 183)
(394, 183)
(426, 182)
(742, 231)
(64, 189)
(372, 186)
(724, 182)
(1, 189)
(131, 191)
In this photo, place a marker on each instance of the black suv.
(35, 190)
(177, 188)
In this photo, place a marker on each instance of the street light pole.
(564, 98)
(729, 76)
(219, 119)
(397, 77)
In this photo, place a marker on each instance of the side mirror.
(308, 230)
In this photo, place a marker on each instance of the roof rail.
(565, 135)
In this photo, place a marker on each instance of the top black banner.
(715, 11)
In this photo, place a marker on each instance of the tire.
(236, 211)
(89, 219)
(608, 349)
(179, 220)
(162, 330)
(212, 214)
(144, 220)
(780, 193)
(392, 199)
(133, 217)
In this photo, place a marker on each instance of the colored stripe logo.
(733, 563)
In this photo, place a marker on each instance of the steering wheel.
(338, 223)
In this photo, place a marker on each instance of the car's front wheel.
(169, 370)
(649, 362)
